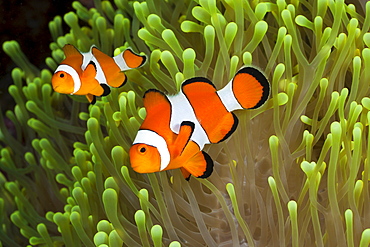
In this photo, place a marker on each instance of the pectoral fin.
(186, 130)
(90, 72)
(92, 86)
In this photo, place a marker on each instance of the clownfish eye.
(142, 150)
(61, 75)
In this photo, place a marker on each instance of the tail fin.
(249, 89)
(132, 59)
(129, 60)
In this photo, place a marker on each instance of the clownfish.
(177, 127)
(92, 72)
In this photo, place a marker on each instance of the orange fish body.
(92, 72)
(177, 127)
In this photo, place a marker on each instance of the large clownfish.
(177, 127)
(89, 73)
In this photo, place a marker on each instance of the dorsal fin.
(70, 50)
(154, 98)
(199, 80)
(158, 113)
(210, 111)
(111, 70)
(100, 55)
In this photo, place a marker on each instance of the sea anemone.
(295, 173)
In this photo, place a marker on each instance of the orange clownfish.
(177, 127)
(89, 73)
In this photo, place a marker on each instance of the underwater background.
(295, 173)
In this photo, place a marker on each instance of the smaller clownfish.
(92, 72)
(177, 127)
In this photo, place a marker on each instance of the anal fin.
(91, 98)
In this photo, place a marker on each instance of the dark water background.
(26, 22)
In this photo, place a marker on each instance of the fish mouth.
(136, 168)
